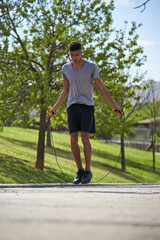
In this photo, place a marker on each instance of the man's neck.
(78, 65)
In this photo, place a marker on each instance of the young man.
(78, 77)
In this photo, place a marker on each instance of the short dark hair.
(74, 46)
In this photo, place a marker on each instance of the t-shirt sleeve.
(63, 74)
(96, 72)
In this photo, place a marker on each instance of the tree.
(35, 37)
(122, 81)
(153, 104)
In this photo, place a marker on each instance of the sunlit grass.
(22, 144)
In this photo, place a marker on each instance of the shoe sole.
(85, 182)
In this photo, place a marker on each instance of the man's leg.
(76, 154)
(87, 176)
(87, 149)
(75, 149)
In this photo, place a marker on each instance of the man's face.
(76, 56)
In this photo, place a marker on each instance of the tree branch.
(5, 13)
(40, 65)
(142, 5)
(21, 43)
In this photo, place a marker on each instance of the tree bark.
(123, 165)
(48, 133)
(154, 142)
(154, 159)
(154, 127)
(41, 140)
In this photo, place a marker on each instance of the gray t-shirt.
(80, 82)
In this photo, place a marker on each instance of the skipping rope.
(66, 180)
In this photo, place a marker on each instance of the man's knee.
(74, 139)
(85, 139)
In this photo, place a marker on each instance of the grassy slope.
(22, 144)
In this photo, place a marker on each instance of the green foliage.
(116, 65)
(144, 112)
(35, 37)
(39, 35)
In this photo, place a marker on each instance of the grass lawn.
(18, 149)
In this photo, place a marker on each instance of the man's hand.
(118, 110)
(52, 112)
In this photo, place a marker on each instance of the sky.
(149, 33)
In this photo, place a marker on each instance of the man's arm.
(61, 99)
(103, 90)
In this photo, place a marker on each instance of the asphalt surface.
(92, 212)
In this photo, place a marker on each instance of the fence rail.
(143, 145)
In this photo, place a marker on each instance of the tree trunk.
(41, 140)
(154, 143)
(153, 132)
(123, 153)
(154, 159)
(48, 133)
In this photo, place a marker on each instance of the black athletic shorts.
(81, 118)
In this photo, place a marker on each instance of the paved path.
(91, 212)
